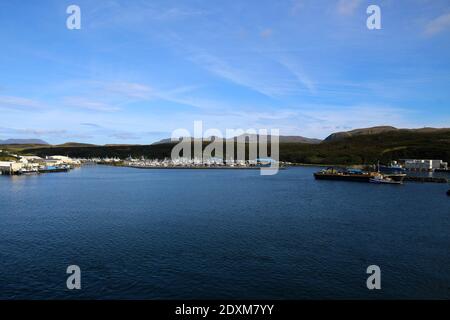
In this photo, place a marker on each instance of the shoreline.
(200, 168)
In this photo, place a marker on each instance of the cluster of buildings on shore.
(416, 165)
(197, 163)
(423, 165)
(35, 164)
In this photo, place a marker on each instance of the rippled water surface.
(159, 234)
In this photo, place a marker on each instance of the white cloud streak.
(347, 7)
(13, 102)
(438, 25)
(82, 103)
(299, 73)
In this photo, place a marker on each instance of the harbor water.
(211, 234)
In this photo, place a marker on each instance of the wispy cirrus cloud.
(299, 73)
(224, 70)
(34, 132)
(297, 6)
(125, 136)
(14, 102)
(347, 7)
(129, 89)
(90, 125)
(177, 13)
(437, 25)
(259, 70)
(129, 14)
(42, 133)
(269, 81)
(93, 105)
(161, 64)
(133, 92)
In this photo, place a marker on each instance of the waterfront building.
(424, 164)
(61, 160)
(30, 163)
(31, 159)
(10, 167)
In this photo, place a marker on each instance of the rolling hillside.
(22, 141)
(369, 148)
(360, 148)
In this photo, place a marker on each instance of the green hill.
(369, 148)
(384, 146)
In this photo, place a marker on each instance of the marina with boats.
(358, 175)
(30, 165)
(395, 173)
(376, 177)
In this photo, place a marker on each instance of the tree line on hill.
(360, 148)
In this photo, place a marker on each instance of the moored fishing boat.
(391, 168)
(359, 176)
(51, 169)
(399, 177)
(381, 179)
(29, 171)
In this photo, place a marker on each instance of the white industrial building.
(33, 164)
(10, 167)
(424, 165)
(31, 159)
(61, 160)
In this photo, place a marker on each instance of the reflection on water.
(429, 174)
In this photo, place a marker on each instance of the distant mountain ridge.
(377, 130)
(75, 144)
(357, 132)
(334, 137)
(282, 139)
(360, 146)
(23, 141)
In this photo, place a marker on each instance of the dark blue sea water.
(171, 234)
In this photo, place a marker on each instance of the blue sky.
(137, 70)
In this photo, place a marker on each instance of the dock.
(53, 170)
(426, 179)
(202, 167)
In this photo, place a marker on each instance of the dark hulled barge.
(345, 175)
(355, 175)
